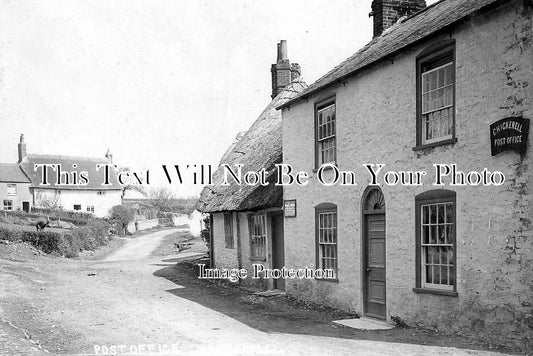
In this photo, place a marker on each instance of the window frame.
(433, 54)
(10, 205)
(437, 196)
(325, 208)
(263, 237)
(90, 209)
(229, 235)
(321, 105)
(14, 187)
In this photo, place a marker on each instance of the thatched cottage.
(449, 84)
(247, 220)
(68, 191)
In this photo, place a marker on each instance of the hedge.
(89, 237)
(71, 217)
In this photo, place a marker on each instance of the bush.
(46, 241)
(70, 246)
(123, 215)
(10, 234)
(88, 237)
(93, 235)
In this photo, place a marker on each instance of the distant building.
(14, 188)
(437, 84)
(93, 197)
(247, 221)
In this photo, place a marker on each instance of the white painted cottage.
(93, 196)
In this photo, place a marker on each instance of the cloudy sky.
(157, 82)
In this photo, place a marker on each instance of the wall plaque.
(509, 134)
(289, 208)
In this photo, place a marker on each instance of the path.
(118, 304)
(140, 247)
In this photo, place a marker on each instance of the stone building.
(444, 84)
(246, 220)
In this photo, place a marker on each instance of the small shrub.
(10, 234)
(93, 235)
(70, 246)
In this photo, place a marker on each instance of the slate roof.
(424, 23)
(260, 147)
(96, 178)
(12, 173)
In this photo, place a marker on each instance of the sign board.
(509, 134)
(289, 208)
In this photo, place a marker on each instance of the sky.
(156, 82)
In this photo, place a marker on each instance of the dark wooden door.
(26, 206)
(278, 248)
(374, 267)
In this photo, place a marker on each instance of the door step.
(270, 293)
(365, 323)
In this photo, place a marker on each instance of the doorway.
(374, 255)
(278, 248)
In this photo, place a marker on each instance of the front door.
(278, 250)
(374, 266)
(26, 206)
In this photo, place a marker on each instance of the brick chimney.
(283, 72)
(22, 148)
(387, 12)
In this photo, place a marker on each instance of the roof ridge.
(58, 156)
(436, 17)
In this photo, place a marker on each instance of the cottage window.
(436, 95)
(77, 206)
(326, 236)
(436, 247)
(228, 230)
(325, 124)
(258, 236)
(8, 204)
(101, 192)
(11, 189)
(90, 208)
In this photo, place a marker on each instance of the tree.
(161, 199)
(48, 201)
(136, 187)
(122, 215)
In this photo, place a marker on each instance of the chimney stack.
(22, 148)
(283, 72)
(109, 156)
(387, 12)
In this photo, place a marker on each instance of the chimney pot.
(282, 50)
(21, 148)
(283, 72)
(109, 156)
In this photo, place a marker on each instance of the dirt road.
(122, 304)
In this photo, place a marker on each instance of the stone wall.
(376, 123)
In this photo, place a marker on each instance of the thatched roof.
(88, 164)
(11, 173)
(259, 147)
(419, 26)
